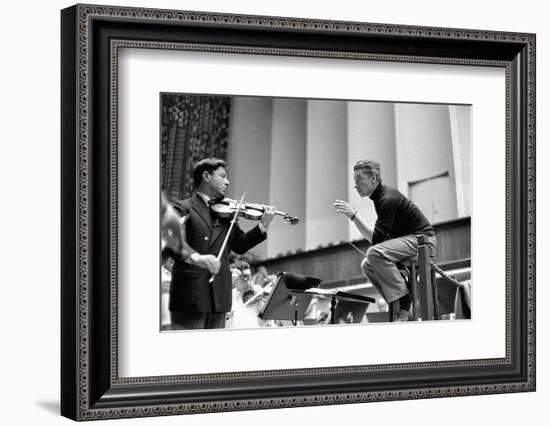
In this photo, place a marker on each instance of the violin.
(255, 295)
(227, 207)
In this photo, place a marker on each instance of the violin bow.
(211, 280)
(357, 248)
(258, 294)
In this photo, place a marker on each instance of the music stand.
(337, 295)
(288, 300)
(348, 312)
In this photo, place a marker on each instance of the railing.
(338, 264)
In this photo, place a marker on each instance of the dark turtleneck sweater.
(397, 216)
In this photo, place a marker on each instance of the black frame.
(90, 387)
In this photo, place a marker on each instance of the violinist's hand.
(345, 208)
(206, 261)
(269, 214)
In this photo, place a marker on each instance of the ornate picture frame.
(91, 386)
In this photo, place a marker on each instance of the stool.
(407, 267)
(423, 289)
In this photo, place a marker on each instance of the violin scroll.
(293, 220)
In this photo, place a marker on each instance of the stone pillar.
(425, 168)
(423, 137)
(288, 174)
(461, 139)
(326, 178)
(249, 154)
(371, 136)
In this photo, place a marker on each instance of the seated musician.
(248, 299)
(196, 303)
(394, 236)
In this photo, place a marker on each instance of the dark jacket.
(190, 290)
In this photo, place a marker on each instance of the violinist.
(248, 298)
(196, 303)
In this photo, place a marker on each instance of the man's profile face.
(217, 182)
(364, 184)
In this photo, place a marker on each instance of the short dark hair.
(241, 265)
(369, 167)
(206, 165)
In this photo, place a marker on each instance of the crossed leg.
(380, 265)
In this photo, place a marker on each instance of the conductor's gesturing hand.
(345, 208)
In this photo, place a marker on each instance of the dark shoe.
(394, 309)
(403, 316)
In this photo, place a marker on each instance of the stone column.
(371, 136)
(426, 171)
(326, 178)
(288, 174)
(249, 153)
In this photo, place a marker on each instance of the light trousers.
(379, 265)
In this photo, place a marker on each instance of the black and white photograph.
(293, 212)
(200, 200)
(263, 212)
